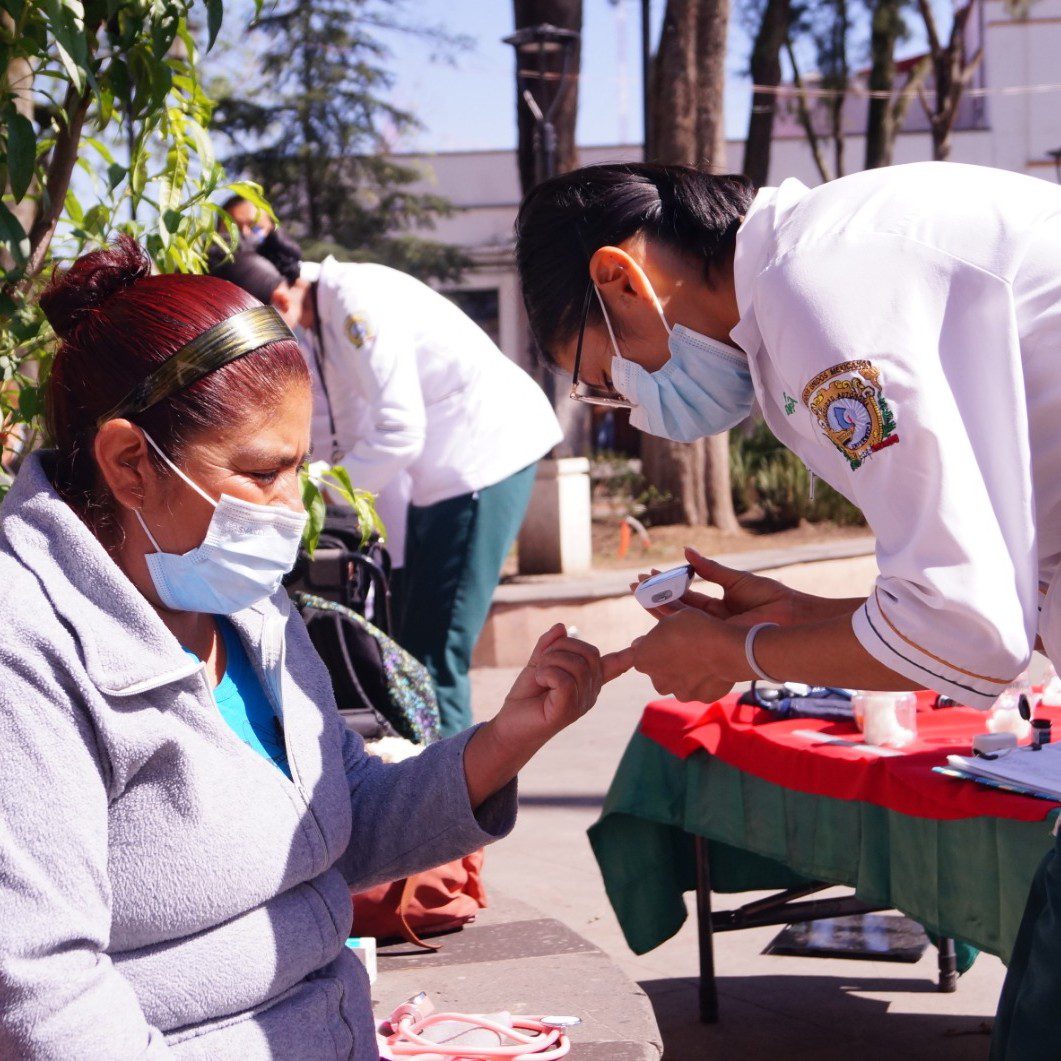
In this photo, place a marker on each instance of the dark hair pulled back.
(284, 252)
(565, 220)
(115, 323)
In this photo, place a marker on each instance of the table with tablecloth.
(779, 805)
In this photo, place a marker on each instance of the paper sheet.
(1022, 768)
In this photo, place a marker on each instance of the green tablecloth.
(965, 879)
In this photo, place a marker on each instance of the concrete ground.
(772, 1007)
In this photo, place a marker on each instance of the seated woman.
(182, 811)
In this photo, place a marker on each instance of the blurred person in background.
(410, 393)
(253, 222)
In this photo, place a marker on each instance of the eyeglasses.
(587, 392)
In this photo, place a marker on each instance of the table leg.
(948, 965)
(708, 990)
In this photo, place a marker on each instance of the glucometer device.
(664, 588)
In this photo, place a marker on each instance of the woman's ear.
(123, 459)
(619, 274)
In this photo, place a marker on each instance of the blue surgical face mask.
(704, 389)
(247, 550)
(254, 237)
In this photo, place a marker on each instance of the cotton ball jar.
(887, 720)
(1005, 716)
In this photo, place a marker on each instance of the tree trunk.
(311, 165)
(765, 71)
(952, 70)
(687, 127)
(881, 125)
(711, 147)
(57, 181)
(574, 417)
(711, 29)
(674, 86)
(840, 34)
(677, 471)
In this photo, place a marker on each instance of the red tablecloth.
(753, 740)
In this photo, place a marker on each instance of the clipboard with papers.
(1023, 771)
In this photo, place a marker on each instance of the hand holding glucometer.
(664, 587)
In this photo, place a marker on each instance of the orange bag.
(425, 904)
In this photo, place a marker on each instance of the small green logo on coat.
(790, 404)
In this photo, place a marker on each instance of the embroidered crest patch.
(357, 330)
(848, 402)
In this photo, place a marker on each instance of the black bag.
(348, 572)
(381, 690)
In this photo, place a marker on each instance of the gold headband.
(240, 334)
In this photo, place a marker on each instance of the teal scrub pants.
(454, 551)
(1028, 1024)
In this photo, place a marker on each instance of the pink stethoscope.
(402, 1035)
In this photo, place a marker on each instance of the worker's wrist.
(753, 639)
(734, 664)
(730, 665)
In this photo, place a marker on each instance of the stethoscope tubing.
(548, 1044)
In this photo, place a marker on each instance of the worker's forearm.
(375, 463)
(810, 609)
(825, 653)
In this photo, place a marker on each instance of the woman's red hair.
(116, 322)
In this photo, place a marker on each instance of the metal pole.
(705, 922)
(646, 73)
(948, 966)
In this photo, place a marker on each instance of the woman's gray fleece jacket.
(164, 890)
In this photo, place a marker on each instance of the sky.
(470, 104)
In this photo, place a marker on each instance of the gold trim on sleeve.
(932, 655)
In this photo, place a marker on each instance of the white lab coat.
(416, 386)
(392, 507)
(903, 331)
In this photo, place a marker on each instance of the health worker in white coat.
(411, 394)
(901, 331)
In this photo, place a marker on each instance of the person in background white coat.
(901, 330)
(409, 390)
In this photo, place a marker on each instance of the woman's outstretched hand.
(559, 684)
(562, 681)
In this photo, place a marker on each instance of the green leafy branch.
(319, 477)
(103, 130)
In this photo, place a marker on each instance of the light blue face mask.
(247, 550)
(704, 389)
